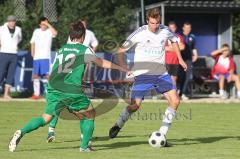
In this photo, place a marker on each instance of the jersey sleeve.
(172, 36)
(50, 33)
(94, 41)
(69, 40)
(232, 65)
(33, 39)
(181, 39)
(0, 34)
(133, 38)
(20, 35)
(89, 56)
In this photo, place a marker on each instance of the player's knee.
(47, 118)
(89, 114)
(221, 77)
(133, 108)
(175, 102)
(35, 77)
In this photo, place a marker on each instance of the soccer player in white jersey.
(150, 70)
(89, 41)
(41, 43)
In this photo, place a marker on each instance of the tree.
(236, 32)
(108, 19)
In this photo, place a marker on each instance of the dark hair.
(77, 30)
(225, 45)
(153, 13)
(172, 23)
(42, 19)
(187, 23)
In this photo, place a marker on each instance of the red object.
(171, 56)
(219, 68)
(34, 97)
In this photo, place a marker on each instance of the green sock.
(88, 128)
(81, 126)
(33, 124)
(53, 122)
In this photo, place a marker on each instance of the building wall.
(204, 27)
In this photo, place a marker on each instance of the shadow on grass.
(116, 145)
(97, 138)
(201, 140)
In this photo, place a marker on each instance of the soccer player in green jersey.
(64, 89)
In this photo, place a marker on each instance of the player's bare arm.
(177, 50)
(52, 29)
(195, 55)
(170, 48)
(33, 49)
(121, 57)
(107, 64)
(216, 52)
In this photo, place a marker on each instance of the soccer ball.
(157, 139)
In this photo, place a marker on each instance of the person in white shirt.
(149, 69)
(10, 36)
(41, 43)
(90, 38)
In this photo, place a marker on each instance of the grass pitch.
(200, 131)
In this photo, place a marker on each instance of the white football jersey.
(43, 43)
(150, 49)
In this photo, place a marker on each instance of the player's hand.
(130, 74)
(194, 58)
(45, 23)
(183, 64)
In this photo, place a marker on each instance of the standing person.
(171, 60)
(41, 43)
(64, 89)
(190, 55)
(224, 69)
(90, 38)
(10, 36)
(89, 41)
(149, 61)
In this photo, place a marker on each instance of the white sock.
(50, 129)
(124, 116)
(36, 87)
(238, 93)
(167, 120)
(221, 92)
(44, 81)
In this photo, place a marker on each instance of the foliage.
(110, 20)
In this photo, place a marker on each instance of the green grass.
(200, 131)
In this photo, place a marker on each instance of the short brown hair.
(172, 23)
(77, 30)
(187, 23)
(154, 13)
(225, 45)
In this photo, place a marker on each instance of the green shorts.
(57, 101)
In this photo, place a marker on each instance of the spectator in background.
(171, 60)
(90, 38)
(190, 55)
(224, 69)
(10, 36)
(41, 43)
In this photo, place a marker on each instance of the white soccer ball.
(157, 139)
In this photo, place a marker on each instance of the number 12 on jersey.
(68, 61)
